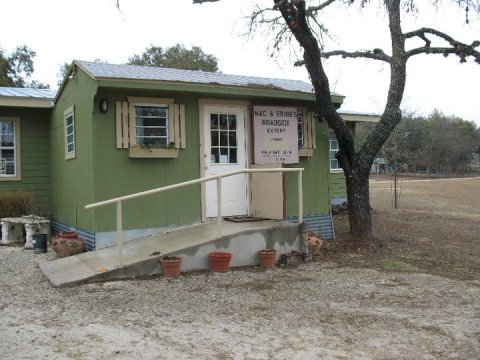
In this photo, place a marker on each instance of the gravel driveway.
(317, 310)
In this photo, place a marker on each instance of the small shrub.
(17, 203)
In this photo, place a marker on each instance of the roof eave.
(68, 76)
(259, 91)
(360, 117)
(25, 102)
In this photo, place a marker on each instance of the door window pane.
(233, 155)
(214, 138)
(233, 138)
(232, 122)
(223, 121)
(214, 121)
(224, 156)
(223, 137)
(215, 159)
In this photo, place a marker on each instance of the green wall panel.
(34, 154)
(337, 185)
(315, 179)
(72, 180)
(116, 174)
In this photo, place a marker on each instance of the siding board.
(34, 154)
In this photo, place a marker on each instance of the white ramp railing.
(118, 200)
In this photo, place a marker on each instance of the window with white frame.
(223, 138)
(69, 126)
(9, 149)
(333, 148)
(150, 127)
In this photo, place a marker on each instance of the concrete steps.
(141, 257)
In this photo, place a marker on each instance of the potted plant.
(67, 244)
(171, 266)
(219, 261)
(267, 258)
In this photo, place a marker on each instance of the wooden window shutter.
(125, 128)
(121, 124)
(307, 134)
(177, 125)
(312, 137)
(118, 124)
(181, 120)
(171, 123)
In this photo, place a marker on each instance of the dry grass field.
(435, 229)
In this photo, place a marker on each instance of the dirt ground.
(435, 228)
(413, 294)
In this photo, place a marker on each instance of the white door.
(225, 151)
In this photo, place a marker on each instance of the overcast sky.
(63, 30)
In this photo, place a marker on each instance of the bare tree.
(301, 20)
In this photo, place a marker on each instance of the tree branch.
(313, 10)
(203, 1)
(375, 54)
(456, 47)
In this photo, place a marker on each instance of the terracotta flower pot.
(219, 261)
(314, 244)
(68, 244)
(68, 234)
(171, 266)
(267, 258)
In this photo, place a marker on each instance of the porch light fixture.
(103, 105)
(317, 116)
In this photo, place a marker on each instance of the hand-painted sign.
(275, 134)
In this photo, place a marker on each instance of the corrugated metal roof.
(27, 93)
(132, 72)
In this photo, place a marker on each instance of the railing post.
(300, 197)
(119, 233)
(219, 206)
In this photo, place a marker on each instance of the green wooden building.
(113, 130)
(25, 116)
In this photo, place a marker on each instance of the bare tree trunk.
(395, 194)
(359, 210)
(356, 165)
